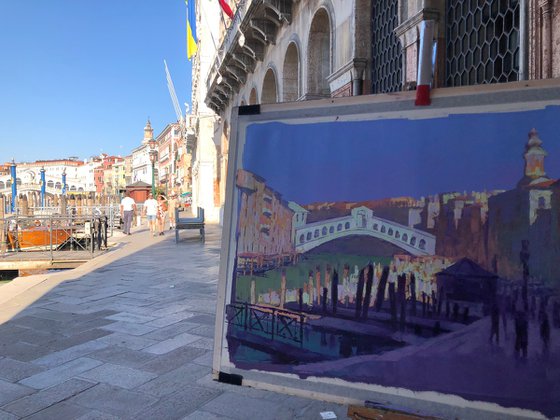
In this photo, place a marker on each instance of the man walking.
(128, 208)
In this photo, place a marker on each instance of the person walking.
(172, 204)
(161, 213)
(150, 211)
(128, 209)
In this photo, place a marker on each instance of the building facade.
(285, 50)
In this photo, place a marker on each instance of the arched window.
(301, 239)
(422, 244)
(405, 238)
(269, 90)
(308, 236)
(253, 99)
(324, 231)
(58, 186)
(347, 225)
(375, 226)
(319, 55)
(397, 235)
(390, 232)
(73, 188)
(18, 181)
(316, 233)
(2, 185)
(413, 241)
(331, 229)
(383, 229)
(50, 184)
(339, 227)
(291, 74)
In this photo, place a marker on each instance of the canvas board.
(374, 250)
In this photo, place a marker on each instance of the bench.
(189, 223)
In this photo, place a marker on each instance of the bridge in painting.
(362, 221)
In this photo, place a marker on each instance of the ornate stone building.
(289, 50)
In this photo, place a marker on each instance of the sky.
(80, 78)
(355, 161)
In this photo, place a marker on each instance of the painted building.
(272, 235)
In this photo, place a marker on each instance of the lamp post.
(14, 185)
(153, 157)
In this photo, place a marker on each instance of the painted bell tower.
(534, 155)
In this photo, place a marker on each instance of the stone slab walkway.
(127, 335)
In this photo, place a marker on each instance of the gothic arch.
(253, 97)
(291, 72)
(319, 54)
(269, 91)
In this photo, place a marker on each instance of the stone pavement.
(127, 335)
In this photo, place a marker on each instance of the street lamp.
(153, 157)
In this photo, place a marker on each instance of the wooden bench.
(189, 223)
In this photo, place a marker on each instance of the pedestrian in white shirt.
(150, 211)
(128, 208)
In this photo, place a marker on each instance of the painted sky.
(78, 78)
(352, 161)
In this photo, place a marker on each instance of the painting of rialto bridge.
(280, 280)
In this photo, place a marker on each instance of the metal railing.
(51, 233)
(111, 211)
(271, 322)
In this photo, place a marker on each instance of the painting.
(405, 251)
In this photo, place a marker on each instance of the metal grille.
(387, 51)
(482, 42)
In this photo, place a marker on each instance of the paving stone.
(14, 370)
(47, 397)
(23, 352)
(171, 344)
(179, 403)
(205, 415)
(121, 376)
(128, 317)
(166, 332)
(60, 373)
(7, 416)
(204, 331)
(171, 319)
(122, 356)
(71, 353)
(242, 407)
(97, 415)
(176, 379)
(205, 360)
(59, 411)
(169, 361)
(129, 328)
(129, 341)
(62, 343)
(204, 319)
(116, 401)
(204, 343)
(10, 392)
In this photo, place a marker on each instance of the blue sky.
(353, 161)
(78, 78)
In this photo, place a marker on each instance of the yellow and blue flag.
(191, 29)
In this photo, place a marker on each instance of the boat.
(38, 238)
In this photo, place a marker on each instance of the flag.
(191, 29)
(225, 7)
